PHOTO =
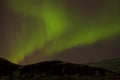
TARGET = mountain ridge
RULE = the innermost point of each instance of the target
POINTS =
(50, 69)
(110, 64)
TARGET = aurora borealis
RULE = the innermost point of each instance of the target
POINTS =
(53, 26)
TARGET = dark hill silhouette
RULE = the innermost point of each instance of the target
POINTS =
(110, 64)
(60, 68)
(7, 67)
(6, 62)
(49, 68)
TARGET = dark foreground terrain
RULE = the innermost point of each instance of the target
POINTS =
(54, 70)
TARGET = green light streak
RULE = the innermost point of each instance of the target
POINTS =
(55, 19)
(60, 30)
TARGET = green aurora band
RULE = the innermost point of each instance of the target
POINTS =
(62, 27)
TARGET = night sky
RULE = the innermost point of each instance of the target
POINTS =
(76, 31)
